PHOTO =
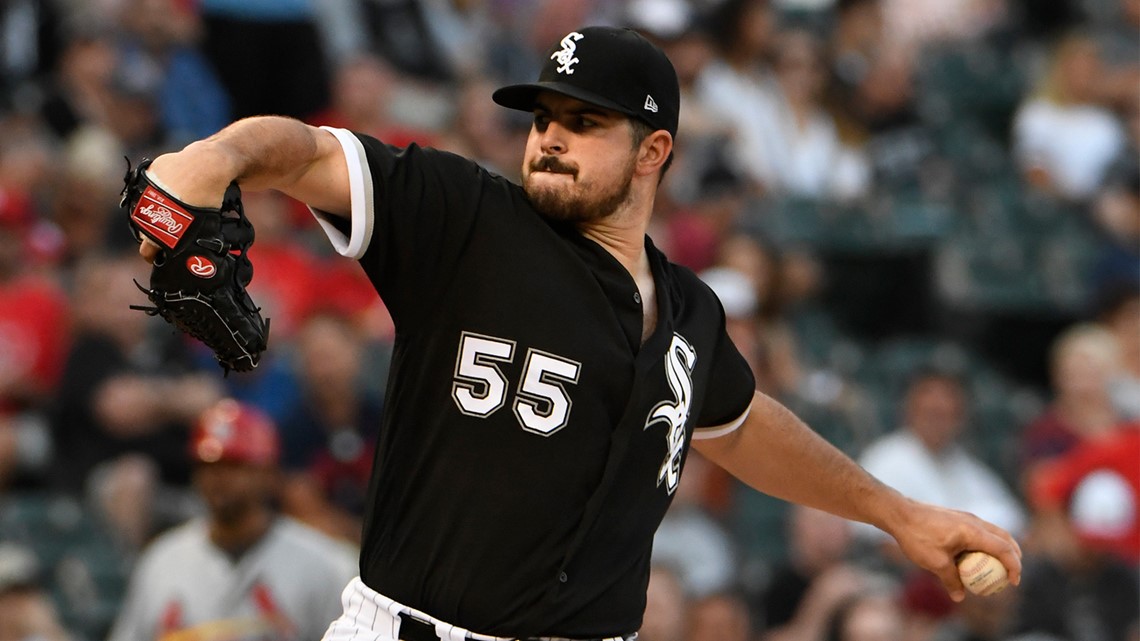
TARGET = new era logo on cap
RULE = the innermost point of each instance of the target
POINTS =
(613, 68)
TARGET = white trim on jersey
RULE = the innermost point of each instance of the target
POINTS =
(716, 431)
(360, 184)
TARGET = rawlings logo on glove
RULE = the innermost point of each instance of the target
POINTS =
(199, 278)
(201, 267)
(153, 213)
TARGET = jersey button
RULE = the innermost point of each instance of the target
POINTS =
(637, 297)
(562, 578)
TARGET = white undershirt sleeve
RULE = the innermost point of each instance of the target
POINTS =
(363, 203)
(715, 431)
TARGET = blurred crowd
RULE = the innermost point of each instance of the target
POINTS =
(922, 218)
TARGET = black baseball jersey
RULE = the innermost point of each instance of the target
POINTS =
(530, 443)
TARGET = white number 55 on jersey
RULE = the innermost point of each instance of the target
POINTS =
(541, 403)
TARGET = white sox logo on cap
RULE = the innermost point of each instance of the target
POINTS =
(565, 55)
(612, 68)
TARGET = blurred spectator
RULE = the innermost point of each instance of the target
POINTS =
(737, 296)
(122, 393)
(33, 316)
(241, 571)
(1118, 34)
(26, 162)
(928, 608)
(870, 616)
(798, 150)
(721, 616)
(1119, 313)
(348, 291)
(78, 92)
(666, 607)
(158, 49)
(133, 114)
(776, 363)
(26, 609)
(481, 131)
(1118, 22)
(399, 31)
(916, 24)
(824, 605)
(1082, 361)
(459, 29)
(784, 286)
(815, 577)
(268, 55)
(1117, 213)
(925, 459)
(363, 89)
(522, 31)
(1064, 139)
(708, 199)
(989, 618)
(286, 283)
(33, 309)
(674, 26)
(690, 541)
(83, 204)
(328, 443)
(857, 40)
(739, 80)
(1098, 483)
(1040, 20)
(872, 96)
(31, 35)
(1071, 587)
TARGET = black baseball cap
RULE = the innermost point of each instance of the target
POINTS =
(613, 68)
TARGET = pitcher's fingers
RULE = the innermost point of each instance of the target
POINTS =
(947, 573)
(1002, 546)
(1006, 535)
(148, 250)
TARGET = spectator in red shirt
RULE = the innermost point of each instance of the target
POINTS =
(1082, 363)
(285, 280)
(1082, 572)
(1098, 485)
(33, 318)
(33, 330)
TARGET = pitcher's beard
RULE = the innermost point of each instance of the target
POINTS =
(580, 205)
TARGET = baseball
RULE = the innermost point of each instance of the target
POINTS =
(982, 574)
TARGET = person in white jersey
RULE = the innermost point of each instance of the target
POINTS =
(242, 572)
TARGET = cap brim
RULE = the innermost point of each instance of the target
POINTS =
(522, 97)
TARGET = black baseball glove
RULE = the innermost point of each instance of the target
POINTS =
(199, 277)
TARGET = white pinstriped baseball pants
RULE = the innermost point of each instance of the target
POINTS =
(371, 616)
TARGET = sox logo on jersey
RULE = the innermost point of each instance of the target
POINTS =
(679, 361)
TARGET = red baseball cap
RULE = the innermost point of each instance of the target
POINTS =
(235, 432)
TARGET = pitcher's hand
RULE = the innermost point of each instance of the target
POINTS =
(933, 537)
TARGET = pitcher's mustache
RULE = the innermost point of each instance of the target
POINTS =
(553, 164)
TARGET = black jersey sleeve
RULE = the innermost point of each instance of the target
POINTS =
(413, 210)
